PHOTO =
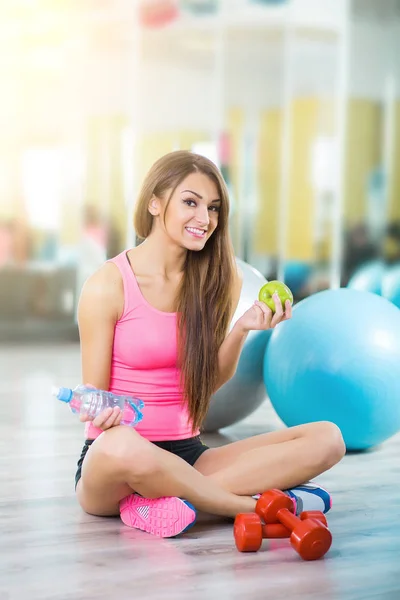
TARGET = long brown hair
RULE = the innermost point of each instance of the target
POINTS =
(204, 302)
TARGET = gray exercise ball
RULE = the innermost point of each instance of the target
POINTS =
(245, 392)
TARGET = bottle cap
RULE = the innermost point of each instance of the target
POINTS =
(62, 393)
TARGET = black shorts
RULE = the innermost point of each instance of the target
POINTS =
(190, 450)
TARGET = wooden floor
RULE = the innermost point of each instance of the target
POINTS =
(50, 549)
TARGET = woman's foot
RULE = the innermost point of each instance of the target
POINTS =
(163, 517)
(308, 497)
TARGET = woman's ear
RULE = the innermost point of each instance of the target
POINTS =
(154, 206)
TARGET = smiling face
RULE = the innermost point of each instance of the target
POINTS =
(190, 217)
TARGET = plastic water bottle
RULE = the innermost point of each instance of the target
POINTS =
(91, 401)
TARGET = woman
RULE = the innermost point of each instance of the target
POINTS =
(153, 323)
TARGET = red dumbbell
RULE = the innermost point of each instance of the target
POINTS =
(309, 537)
(318, 515)
(277, 530)
(249, 531)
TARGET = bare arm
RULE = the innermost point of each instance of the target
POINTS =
(258, 317)
(100, 306)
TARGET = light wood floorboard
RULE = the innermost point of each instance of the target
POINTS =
(50, 549)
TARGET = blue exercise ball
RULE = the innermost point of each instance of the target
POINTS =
(391, 285)
(338, 360)
(368, 277)
(296, 274)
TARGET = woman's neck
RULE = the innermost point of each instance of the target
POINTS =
(161, 257)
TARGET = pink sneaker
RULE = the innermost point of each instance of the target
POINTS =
(163, 517)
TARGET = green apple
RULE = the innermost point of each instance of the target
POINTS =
(269, 289)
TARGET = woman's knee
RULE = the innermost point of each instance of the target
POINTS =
(126, 454)
(329, 444)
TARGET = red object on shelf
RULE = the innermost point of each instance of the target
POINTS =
(157, 13)
(224, 148)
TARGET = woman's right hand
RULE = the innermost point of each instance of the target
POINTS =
(109, 417)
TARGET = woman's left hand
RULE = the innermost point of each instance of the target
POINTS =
(260, 316)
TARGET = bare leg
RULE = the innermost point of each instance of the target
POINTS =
(281, 459)
(121, 461)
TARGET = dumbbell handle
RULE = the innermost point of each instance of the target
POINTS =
(277, 530)
(288, 519)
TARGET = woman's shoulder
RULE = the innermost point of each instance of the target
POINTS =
(104, 286)
(105, 276)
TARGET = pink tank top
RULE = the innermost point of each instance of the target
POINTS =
(144, 364)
